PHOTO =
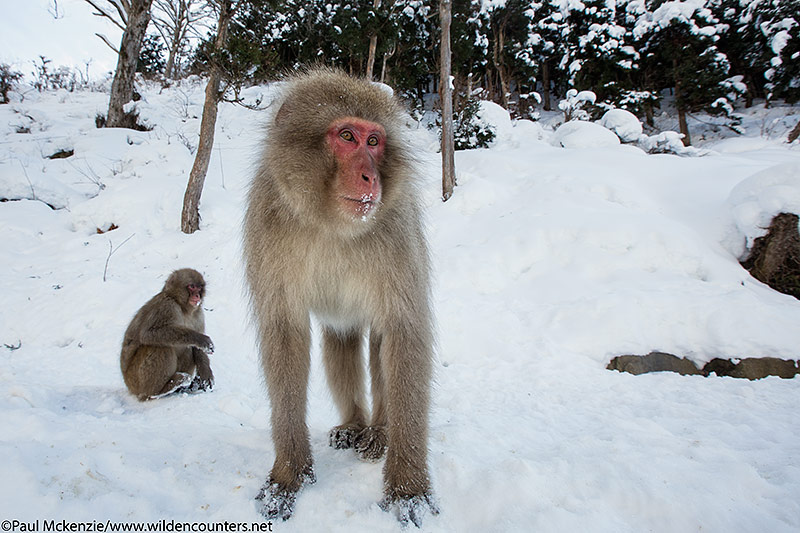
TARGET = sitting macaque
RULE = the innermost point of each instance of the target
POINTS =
(165, 349)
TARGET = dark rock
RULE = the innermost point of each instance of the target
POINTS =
(720, 367)
(775, 257)
(652, 362)
(757, 368)
(62, 154)
(749, 368)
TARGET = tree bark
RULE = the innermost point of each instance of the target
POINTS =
(176, 39)
(546, 84)
(190, 215)
(446, 95)
(122, 86)
(373, 46)
(684, 126)
(499, 63)
(386, 56)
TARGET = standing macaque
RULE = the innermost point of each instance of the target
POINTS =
(165, 350)
(333, 228)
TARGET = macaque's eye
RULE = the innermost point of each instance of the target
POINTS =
(347, 135)
(373, 140)
(193, 287)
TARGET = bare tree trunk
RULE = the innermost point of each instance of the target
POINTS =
(499, 65)
(446, 94)
(174, 20)
(546, 84)
(122, 86)
(386, 56)
(648, 114)
(190, 216)
(684, 126)
(176, 40)
(373, 45)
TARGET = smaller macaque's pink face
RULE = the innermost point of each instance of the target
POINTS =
(195, 294)
(357, 145)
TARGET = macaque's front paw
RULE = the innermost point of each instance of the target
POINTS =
(410, 508)
(206, 345)
(277, 501)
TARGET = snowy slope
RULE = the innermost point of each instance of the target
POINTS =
(548, 262)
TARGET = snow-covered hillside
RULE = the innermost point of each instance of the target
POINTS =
(548, 262)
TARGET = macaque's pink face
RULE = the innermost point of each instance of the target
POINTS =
(357, 145)
(195, 294)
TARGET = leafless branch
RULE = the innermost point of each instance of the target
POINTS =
(122, 8)
(55, 11)
(111, 251)
(105, 40)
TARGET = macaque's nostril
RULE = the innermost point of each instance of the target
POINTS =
(365, 177)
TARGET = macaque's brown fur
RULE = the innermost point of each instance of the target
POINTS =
(305, 254)
(165, 342)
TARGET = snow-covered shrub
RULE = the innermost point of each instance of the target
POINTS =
(638, 102)
(575, 105)
(469, 129)
(668, 142)
(8, 81)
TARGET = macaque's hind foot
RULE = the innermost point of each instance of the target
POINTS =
(371, 443)
(410, 509)
(343, 437)
(177, 383)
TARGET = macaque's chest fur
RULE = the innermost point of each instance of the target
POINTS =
(337, 283)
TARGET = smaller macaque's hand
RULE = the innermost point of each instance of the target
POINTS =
(206, 346)
(200, 384)
(204, 374)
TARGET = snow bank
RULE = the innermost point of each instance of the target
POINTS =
(498, 118)
(547, 261)
(623, 123)
(580, 134)
(756, 200)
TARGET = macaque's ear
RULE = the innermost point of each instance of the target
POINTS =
(283, 113)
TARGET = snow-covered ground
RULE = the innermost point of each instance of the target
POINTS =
(548, 262)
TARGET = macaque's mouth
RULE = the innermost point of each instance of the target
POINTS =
(362, 205)
(363, 200)
(194, 300)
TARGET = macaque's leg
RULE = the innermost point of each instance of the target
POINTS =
(204, 377)
(371, 443)
(406, 362)
(285, 357)
(344, 368)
